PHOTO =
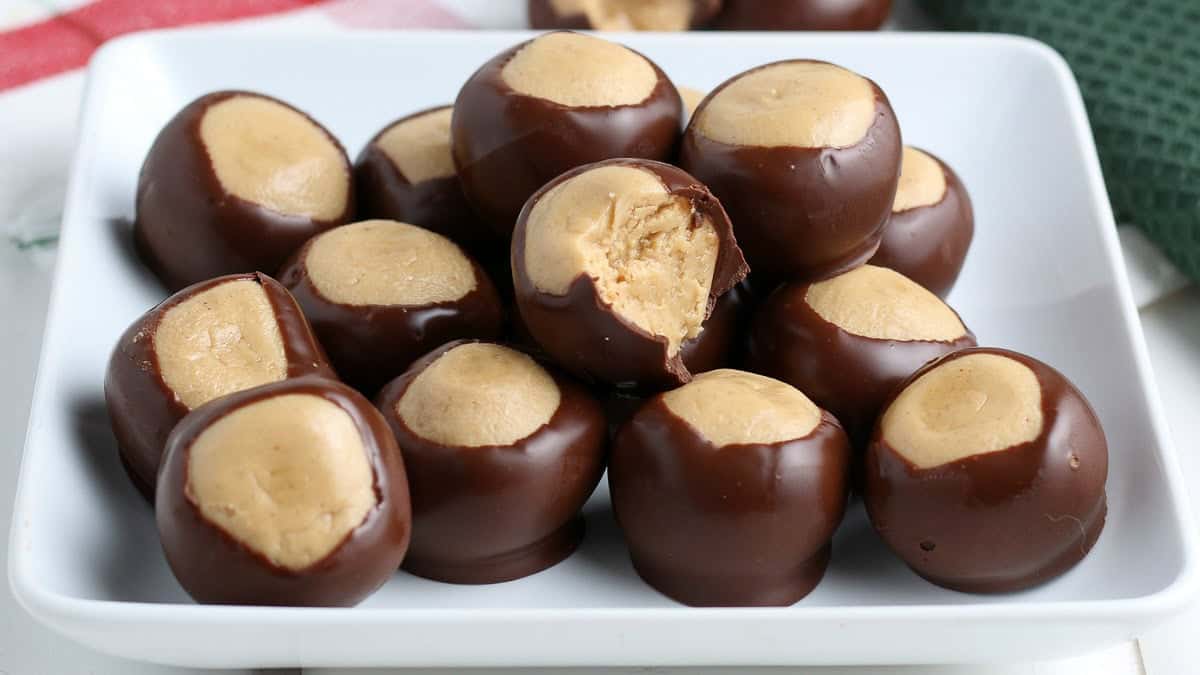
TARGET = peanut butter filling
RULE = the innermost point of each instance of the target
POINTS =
(219, 341)
(651, 256)
(420, 146)
(629, 15)
(730, 407)
(577, 70)
(805, 104)
(286, 476)
(272, 155)
(880, 303)
(384, 262)
(479, 394)
(922, 181)
(972, 405)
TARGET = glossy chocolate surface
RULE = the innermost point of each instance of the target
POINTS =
(737, 525)
(583, 334)
(508, 145)
(847, 374)
(371, 344)
(928, 244)
(542, 16)
(719, 344)
(488, 514)
(802, 213)
(436, 204)
(803, 14)
(215, 568)
(1000, 521)
(188, 228)
(143, 409)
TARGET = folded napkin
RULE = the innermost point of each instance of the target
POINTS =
(1138, 64)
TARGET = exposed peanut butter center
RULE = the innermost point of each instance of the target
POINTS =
(269, 154)
(922, 181)
(975, 404)
(691, 99)
(651, 256)
(286, 476)
(805, 104)
(479, 394)
(420, 146)
(880, 303)
(665, 15)
(383, 262)
(578, 70)
(731, 406)
(219, 341)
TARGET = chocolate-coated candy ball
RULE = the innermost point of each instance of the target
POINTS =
(501, 454)
(622, 15)
(292, 493)
(805, 157)
(549, 105)
(380, 294)
(236, 182)
(931, 226)
(206, 341)
(406, 173)
(803, 14)
(728, 490)
(849, 341)
(986, 472)
(616, 267)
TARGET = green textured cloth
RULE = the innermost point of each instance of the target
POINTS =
(1138, 64)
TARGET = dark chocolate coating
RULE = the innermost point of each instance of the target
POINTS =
(928, 244)
(803, 14)
(542, 16)
(436, 204)
(507, 145)
(188, 228)
(1000, 521)
(488, 514)
(371, 344)
(143, 409)
(847, 374)
(215, 568)
(802, 213)
(718, 342)
(619, 406)
(736, 525)
(583, 334)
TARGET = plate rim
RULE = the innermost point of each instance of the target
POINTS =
(58, 610)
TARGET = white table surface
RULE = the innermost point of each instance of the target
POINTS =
(33, 166)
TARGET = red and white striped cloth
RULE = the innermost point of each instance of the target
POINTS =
(37, 41)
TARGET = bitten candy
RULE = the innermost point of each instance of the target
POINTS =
(616, 267)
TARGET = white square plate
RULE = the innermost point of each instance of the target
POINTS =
(1044, 277)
